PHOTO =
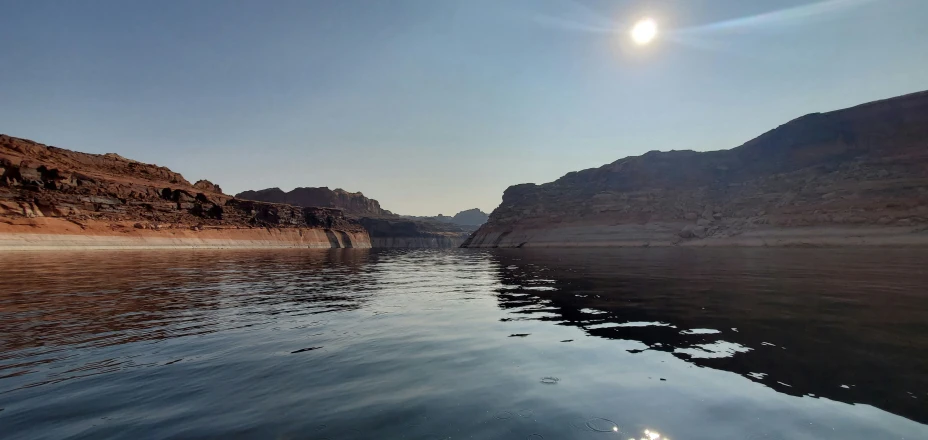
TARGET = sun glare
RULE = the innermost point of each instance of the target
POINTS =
(644, 31)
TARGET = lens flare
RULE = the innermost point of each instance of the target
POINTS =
(644, 31)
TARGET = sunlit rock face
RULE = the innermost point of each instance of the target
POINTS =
(61, 198)
(853, 176)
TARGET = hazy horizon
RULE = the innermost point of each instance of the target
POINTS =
(436, 107)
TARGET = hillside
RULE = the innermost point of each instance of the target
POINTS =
(53, 197)
(853, 176)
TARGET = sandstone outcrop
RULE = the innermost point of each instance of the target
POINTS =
(206, 185)
(48, 192)
(853, 176)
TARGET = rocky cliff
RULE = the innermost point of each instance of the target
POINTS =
(853, 176)
(470, 217)
(385, 228)
(52, 197)
(353, 204)
(404, 233)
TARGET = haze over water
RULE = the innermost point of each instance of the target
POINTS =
(481, 344)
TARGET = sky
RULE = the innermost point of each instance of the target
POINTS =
(436, 106)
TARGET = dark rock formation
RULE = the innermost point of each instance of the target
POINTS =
(470, 217)
(353, 204)
(404, 233)
(467, 221)
(853, 176)
(386, 229)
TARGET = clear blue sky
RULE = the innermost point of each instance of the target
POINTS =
(435, 106)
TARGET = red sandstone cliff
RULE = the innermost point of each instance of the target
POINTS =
(853, 176)
(52, 197)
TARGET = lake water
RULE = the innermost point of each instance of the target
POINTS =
(465, 344)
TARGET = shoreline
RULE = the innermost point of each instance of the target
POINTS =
(666, 236)
(58, 242)
(77, 243)
(56, 234)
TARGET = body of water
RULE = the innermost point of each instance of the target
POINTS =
(465, 344)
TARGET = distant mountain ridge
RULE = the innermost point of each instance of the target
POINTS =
(386, 228)
(471, 217)
(351, 203)
(853, 176)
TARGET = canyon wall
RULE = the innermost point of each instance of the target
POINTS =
(353, 204)
(467, 220)
(857, 176)
(403, 233)
(56, 198)
(386, 230)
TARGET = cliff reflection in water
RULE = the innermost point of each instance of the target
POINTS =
(843, 324)
(52, 305)
(465, 343)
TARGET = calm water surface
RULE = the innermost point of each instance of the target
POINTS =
(465, 344)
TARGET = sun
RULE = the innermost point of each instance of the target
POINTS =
(644, 31)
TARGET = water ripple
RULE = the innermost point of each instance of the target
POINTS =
(416, 344)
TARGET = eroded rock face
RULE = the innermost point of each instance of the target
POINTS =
(38, 181)
(402, 233)
(832, 178)
(387, 230)
(353, 204)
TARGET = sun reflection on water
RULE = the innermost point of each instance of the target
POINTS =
(651, 435)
